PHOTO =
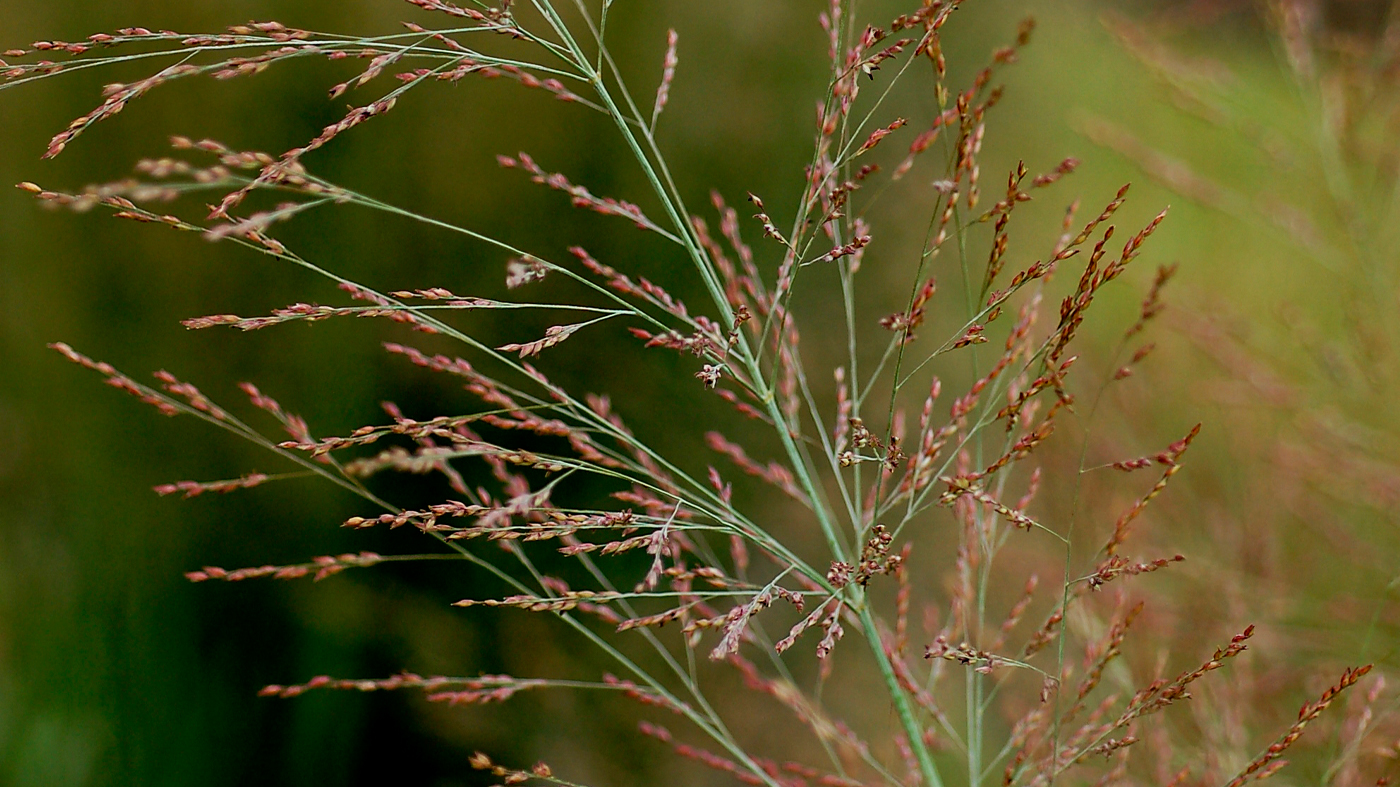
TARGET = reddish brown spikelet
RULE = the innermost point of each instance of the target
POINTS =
(831, 632)
(1132, 248)
(118, 380)
(981, 661)
(871, 64)
(553, 335)
(716, 762)
(844, 250)
(310, 312)
(1017, 611)
(773, 472)
(295, 425)
(643, 289)
(1169, 457)
(1089, 228)
(769, 229)
(1152, 305)
(1116, 566)
(581, 197)
(256, 224)
(117, 97)
(487, 688)
(450, 9)
(801, 626)
(1159, 694)
(668, 74)
(973, 335)
(922, 143)
(1066, 167)
(879, 134)
(524, 270)
(905, 323)
(1047, 632)
(569, 600)
(652, 621)
(197, 323)
(808, 712)
(1108, 650)
(654, 731)
(194, 488)
(645, 696)
(319, 568)
(288, 165)
(1260, 767)
(736, 625)
(696, 344)
(963, 486)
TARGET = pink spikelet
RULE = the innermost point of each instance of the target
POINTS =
(668, 74)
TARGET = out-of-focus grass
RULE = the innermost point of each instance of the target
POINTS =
(114, 670)
(1282, 339)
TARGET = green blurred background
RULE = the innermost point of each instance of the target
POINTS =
(115, 670)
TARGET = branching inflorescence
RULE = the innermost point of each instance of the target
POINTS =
(852, 466)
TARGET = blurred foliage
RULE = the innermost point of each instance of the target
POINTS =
(115, 670)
